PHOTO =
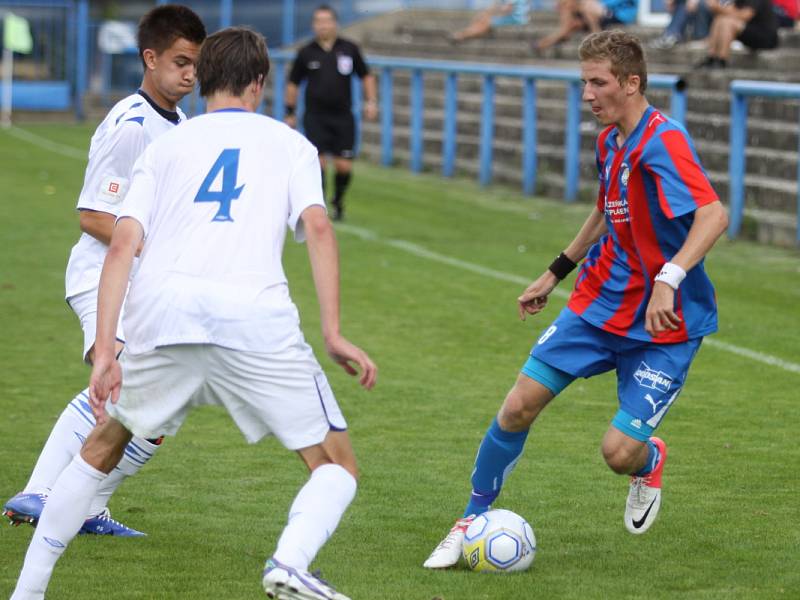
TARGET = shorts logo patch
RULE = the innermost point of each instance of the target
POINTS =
(344, 64)
(653, 403)
(636, 423)
(654, 380)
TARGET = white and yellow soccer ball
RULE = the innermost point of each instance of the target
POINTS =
(500, 541)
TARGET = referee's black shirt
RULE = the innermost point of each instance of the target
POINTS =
(328, 74)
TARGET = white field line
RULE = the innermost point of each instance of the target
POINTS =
(46, 144)
(416, 250)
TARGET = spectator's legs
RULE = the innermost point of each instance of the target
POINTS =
(479, 27)
(680, 19)
(591, 11)
(568, 23)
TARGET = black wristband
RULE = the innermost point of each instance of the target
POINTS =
(562, 266)
(289, 110)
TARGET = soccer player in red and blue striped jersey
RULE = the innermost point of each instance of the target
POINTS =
(642, 301)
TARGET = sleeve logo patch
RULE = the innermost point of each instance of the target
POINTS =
(113, 188)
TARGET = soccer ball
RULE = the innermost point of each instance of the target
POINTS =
(499, 540)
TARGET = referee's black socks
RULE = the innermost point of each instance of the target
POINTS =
(341, 182)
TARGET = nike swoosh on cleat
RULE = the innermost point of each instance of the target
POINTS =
(640, 522)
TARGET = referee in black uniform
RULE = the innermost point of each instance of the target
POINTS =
(328, 63)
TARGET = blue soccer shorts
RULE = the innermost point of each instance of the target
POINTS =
(649, 376)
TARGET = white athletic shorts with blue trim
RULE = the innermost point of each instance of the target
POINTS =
(85, 306)
(284, 394)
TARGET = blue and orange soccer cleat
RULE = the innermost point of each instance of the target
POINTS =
(644, 496)
(24, 508)
(103, 524)
(283, 582)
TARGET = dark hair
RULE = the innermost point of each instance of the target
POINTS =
(621, 49)
(161, 26)
(232, 59)
(327, 8)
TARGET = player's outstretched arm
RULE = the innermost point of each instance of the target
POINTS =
(534, 298)
(106, 378)
(324, 256)
(710, 222)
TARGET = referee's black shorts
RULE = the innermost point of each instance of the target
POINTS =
(331, 133)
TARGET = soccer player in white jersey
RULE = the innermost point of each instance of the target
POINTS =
(209, 318)
(169, 39)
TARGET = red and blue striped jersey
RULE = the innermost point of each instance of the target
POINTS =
(649, 189)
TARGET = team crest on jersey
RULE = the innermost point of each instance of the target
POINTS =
(345, 64)
(652, 379)
(625, 174)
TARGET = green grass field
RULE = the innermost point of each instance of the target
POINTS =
(430, 269)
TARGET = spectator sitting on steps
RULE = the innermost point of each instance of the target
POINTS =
(752, 22)
(587, 15)
(687, 15)
(501, 14)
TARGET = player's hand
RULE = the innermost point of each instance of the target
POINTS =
(534, 298)
(105, 381)
(291, 121)
(346, 353)
(371, 111)
(660, 315)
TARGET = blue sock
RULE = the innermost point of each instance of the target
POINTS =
(652, 460)
(497, 456)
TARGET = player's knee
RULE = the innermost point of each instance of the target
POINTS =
(618, 458)
(517, 413)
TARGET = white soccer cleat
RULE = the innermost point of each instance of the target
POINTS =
(447, 553)
(644, 496)
(283, 582)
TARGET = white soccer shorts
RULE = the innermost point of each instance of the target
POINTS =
(284, 394)
(85, 306)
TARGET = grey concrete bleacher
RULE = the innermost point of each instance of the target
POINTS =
(772, 156)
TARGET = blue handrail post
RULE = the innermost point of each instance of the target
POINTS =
(416, 120)
(736, 162)
(449, 127)
(356, 95)
(386, 117)
(572, 144)
(487, 130)
(82, 55)
(677, 103)
(288, 23)
(529, 141)
(225, 13)
(278, 85)
(347, 13)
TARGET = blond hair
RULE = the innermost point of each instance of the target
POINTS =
(623, 50)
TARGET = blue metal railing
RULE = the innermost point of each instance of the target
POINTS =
(529, 75)
(741, 91)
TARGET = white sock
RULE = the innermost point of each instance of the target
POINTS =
(137, 453)
(314, 515)
(65, 441)
(61, 520)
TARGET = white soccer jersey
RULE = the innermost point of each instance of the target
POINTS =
(116, 144)
(214, 197)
